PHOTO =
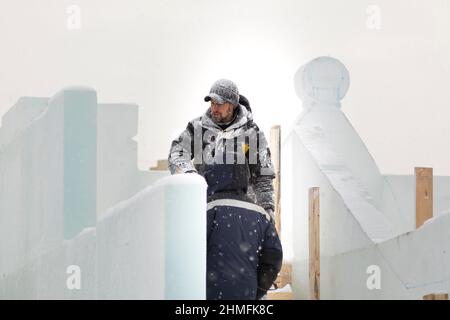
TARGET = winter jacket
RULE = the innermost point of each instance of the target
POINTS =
(244, 253)
(231, 160)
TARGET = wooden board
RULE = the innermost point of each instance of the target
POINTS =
(275, 150)
(424, 195)
(161, 165)
(280, 295)
(284, 276)
(314, 244)
(436, 296)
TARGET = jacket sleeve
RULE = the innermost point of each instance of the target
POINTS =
(181, 152)
(270, 261)
(262, 174)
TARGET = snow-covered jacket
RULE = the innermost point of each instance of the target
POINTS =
(231, 160)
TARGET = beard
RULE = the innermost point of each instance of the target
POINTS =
(221, 119)
(218, 118)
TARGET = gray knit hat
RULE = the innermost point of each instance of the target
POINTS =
(222, 91)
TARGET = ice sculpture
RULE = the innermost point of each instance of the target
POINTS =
(71, 195)
(364, 216)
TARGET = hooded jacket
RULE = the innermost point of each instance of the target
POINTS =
(244, 251)
(231, 160)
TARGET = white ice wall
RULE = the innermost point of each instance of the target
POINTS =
(117, 172)
(403, 188)
(153, 246)
(411, 266)
(339, 230)
(63, 162)
(45, 276)
(31, 177)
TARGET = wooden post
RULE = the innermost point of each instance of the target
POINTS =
(275, 150)
(424, 195)
(284, 276)
(314, 243)
(436, 296)
(161, 165)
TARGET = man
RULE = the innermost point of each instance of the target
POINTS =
(227, 148)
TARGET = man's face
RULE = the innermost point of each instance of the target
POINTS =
(221, 112)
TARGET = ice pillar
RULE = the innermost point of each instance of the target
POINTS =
(185, 237)
(79, 116)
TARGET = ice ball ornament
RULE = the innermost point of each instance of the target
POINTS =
(322, 80)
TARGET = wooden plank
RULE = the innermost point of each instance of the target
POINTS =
(280, 295)
(436, 296)
(314, 244)
(424, 195)
(275, 150)
(161, 165)
(284, 276)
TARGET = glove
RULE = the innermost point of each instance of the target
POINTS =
(261, 294)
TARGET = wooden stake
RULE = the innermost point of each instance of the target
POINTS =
(275, 150)
(280, 295)
(284, 276)
(314, 243)
(436, 296)
(424, 195)
(161, 165)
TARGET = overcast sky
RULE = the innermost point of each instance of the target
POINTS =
(165, 54)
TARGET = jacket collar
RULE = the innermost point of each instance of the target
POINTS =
(243, 116)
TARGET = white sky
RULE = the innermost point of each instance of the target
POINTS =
(165, 54)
